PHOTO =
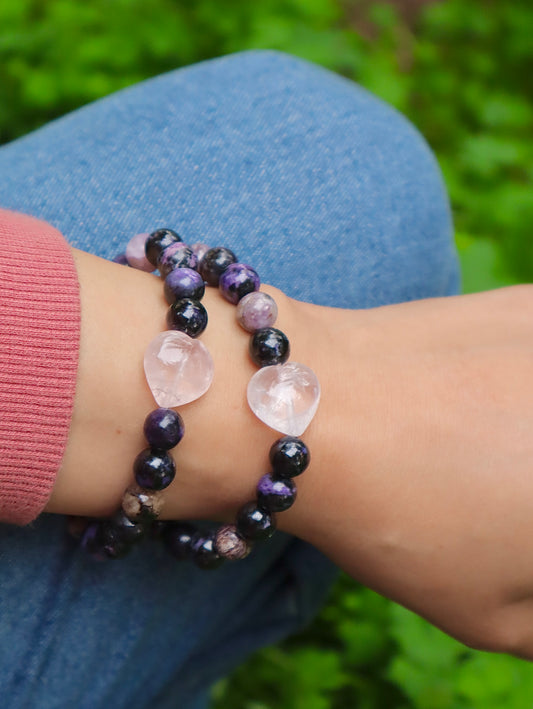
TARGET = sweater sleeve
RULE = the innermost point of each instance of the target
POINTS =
(39, 345)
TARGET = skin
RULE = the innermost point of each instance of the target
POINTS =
(420, 483)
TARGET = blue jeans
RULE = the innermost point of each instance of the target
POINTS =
(333, 197)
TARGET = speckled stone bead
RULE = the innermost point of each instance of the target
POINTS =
(237, 281)
(157, 241)
(178, 537)
(184, 283)
(204, 553)
(136, 255)
(289, 457)
(142, 505)
(101, 545)
(256, 311)
(154, 469)
(163, 428)
(254, 523)
(269, 346)
(229, 543)
(214, 263)
(200, 250)
(176, 256)
(275, 495)
(188, 316)
(125, 529)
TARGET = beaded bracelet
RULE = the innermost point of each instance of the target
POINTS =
(284, 395)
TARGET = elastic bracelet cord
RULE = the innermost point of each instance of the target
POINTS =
(282, 394)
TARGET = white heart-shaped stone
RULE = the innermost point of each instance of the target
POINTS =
(178, 368)
(285, 397)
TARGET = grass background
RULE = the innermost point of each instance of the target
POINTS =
(462, 70)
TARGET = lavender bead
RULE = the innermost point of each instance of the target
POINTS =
(135, 253)
(275, 495)
(121, 259)
(157, 241)
(163, 428)
(229, 544)
(184, 283)
(199, 250)
(237, 281)
(176, 255)
(256, 311)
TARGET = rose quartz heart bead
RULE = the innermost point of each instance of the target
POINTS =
(285, 397)
(178, 369)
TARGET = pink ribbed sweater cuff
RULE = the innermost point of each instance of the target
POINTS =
(39, 344)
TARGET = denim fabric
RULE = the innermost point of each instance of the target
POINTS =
(335, 198)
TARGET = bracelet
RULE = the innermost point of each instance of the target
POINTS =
(179, 369)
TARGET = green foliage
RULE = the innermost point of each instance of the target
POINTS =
(463, 73)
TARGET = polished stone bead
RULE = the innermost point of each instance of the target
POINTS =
(184, 283)
(204, 553)
(188, 316)
(229, 543)
(214, 263)
(256, 311)
(200, 251)
(142, 505)
(178, 369)
(254, 523)
(269, 346)
(289, 457)
(157, 241)
(154, 469)
(122, 528)
(237, 281)
(100, 545)
(177, 538)
(163, 428)
(285, 397)
(176, 256)
(121, 259)
(136, 255)
(275, 495)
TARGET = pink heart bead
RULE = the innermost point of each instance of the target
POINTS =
(178, 368)
(285, 397)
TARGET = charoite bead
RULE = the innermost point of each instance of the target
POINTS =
(178, 538)
(184, 283)
(237, 281)
(188, 316)
(176, 256)
(136, 255)
(289, 457)
(123, 528)
(275, 495)
(178, 369)
(200, 250)
(269, 346)
(157, 241)
(163, 428)
(285, 397)
(254, 523)
(229, 543)
(204, 553)
(154, 469)
(214, 263)
(256, 311)
(142, 505)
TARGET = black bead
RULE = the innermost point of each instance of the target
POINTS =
(100, 544)
(204, 553)
(214, 263)
(254, 523)
(275, 495)
(269, 346)
(182, 257)
(178, 537)
(289, 457)
(188, 316)
(157, 241)
(163, 428)
(154, 469)
(120, 527)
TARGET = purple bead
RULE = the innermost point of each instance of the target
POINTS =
(256, 311)
(184, 283)
(214, 263)
(178, 538)
(102, 545)
(121, 259)
(275, 495)
(121, 528)
(163, 428)
(289, 457)
(254, 523)
(188, 316)
(157, 241)
(204, 553)
(237, 281)
(269, 346)
(199, 250)
(176, 256)
(154, 469)
(136, 255)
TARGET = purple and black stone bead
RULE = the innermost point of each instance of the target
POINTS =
(163, 428)
(289, 457)
(275, 495)
(176, 255)
(214, 262)
(184, 283)
(255, 523)
(269, 346)
(188, 316)
(154, 469)
(157, 241)
(237, 281)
